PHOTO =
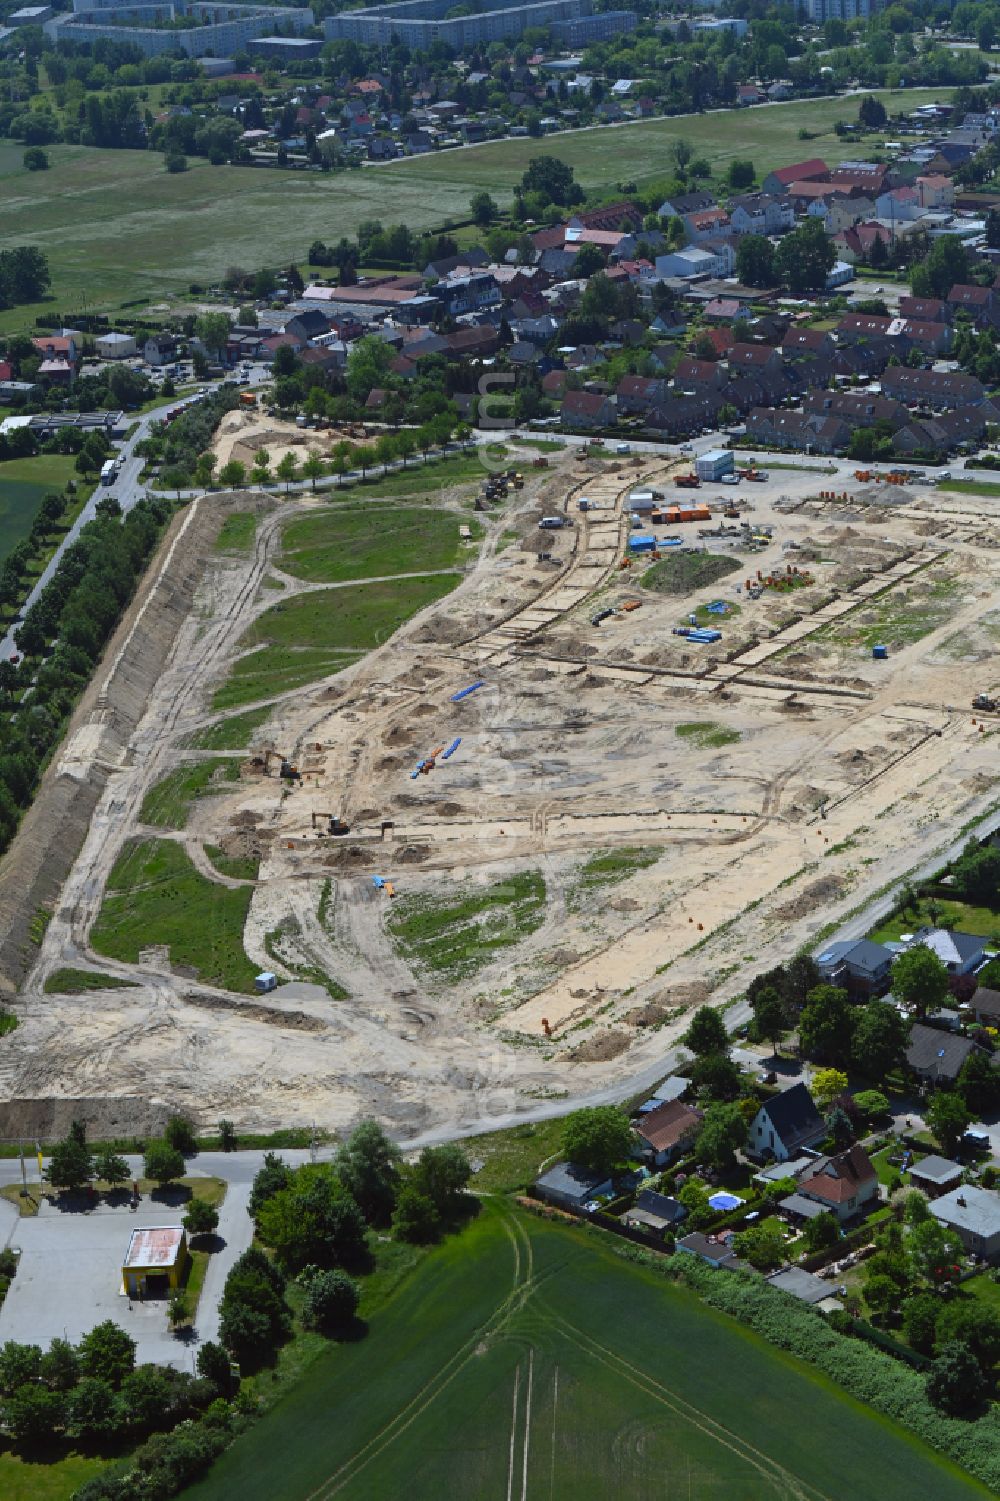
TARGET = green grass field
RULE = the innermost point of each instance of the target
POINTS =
(606, 867)
(961, 916)
(168, 803)
(456, 937)
(315, 635)
(155, 897)
(683, 572)
(350, 543)
(24, 483)
(107, 220)
(524, 1359)
(234, 733)
(79, 981)
(237, 532)
(706, 734)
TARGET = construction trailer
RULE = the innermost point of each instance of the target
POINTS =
(714, 464)
(642, 542)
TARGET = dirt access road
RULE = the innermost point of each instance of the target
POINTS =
(769, 783)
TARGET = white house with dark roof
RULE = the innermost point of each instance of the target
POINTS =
(784, 1125)
(960, 953)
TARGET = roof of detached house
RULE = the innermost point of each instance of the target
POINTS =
(669, 1124)
(839, 1178)
(793, 1113)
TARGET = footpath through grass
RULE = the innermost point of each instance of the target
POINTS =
(312, 636)
(458, 936)
(529, 1359)
(156, 897)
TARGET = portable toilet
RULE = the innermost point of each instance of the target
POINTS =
(265, 981)
(880, 653)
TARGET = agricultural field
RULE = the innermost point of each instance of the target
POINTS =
(24, 483)
(527, 1359)
(105, 218)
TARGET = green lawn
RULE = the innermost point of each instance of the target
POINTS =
(457, 936)
(527, 1359)
(234, 733)
(315, 635)
(168, 803)
(240, 867)
(79, 981)
(959, 915)
(155, 896)
(51, 1480)
(24, 483)
(971, 487)
(418, 478)
(331, 546)
(705, 733)
(107, 220)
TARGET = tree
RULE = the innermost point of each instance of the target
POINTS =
(822, 1232)
(920, 980)
(233, 475)
(881, 1292)
(947, 1115)
(261, 466)
(287, 469)
(971, 1323)
(107, 1353)
(871, 113)
(597, 1138)
(368, 1166)
(253, 1315)
(707, 1032)
(367, 366)
(179, 1134)
(740, 174)
(110, 1168)
(201, 1218)
(977, 874)
(986, 32)
(769, 1017)
(144, 1399)
(315, 1219)
(934, 1251)
(60, 1366)
(826, 1026)
(484, 209)
(175, 161)
(18, 1364)
(331, 1300)
(71, 1165)
(204, 469)
(92, 1410)
(214, 1365)
(415, 1219)
(313, 468)
(872, 1103)
(35, 159)
(879, 1039)
(270, 1179)
(33, 1414)
(213, 330)
(979, 1084)
(920, 1315)
(947, 263)
(443, 1173)
(227, 1136)
(955, 1383)
(804, 257)
(755, 261)
(723, 1133)
(715, 1076)
(827, 1084)
(763, 1246)
(682, 152)
(553, 180)
(163, 1163)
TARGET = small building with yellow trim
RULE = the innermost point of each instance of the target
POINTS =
(155, 1261)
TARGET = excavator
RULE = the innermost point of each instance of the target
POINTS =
(334, 825)
(286, 770)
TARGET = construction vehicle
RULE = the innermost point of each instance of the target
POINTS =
(540, 463)
(286, 770)
(334, 825)
(731, 511)
(757, 476)
(687, 482)
(984, 702)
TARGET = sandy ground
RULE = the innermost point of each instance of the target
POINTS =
(242, 434)
(843, 774)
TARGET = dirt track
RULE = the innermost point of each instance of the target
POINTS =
(570, 748)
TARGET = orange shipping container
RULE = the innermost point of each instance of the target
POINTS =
(676, 514)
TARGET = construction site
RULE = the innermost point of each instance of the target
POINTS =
(631, 746)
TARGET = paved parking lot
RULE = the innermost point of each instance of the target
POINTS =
(69, 1279)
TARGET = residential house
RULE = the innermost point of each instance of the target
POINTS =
(960, 953)
(925, 309)
(933, 388)
(692, 261)
(760, 214)
(985, 1006)
(58, 348)
(975, 1214)
(654, 1211)
(861, 967)
(802, 1285)
(855, 242)
(685, 203)
(683, 415)
(691, 374)
(571, 1187)
(587, 409)
(160, 350)
(307, 324)
(753, 358)
(843, 1184)
(806, 341)
(717, 340)
(750, 93)
(725, 309)
(799, 431)
(707, 224)
(899, 206)
(784, 1125)
(858, 408)
(934, 339)
(935, 1175)
(665, 1132)
(981, 303)
(936, 191)
(638, 393)
(861, 177)
(713, 1249)
(937, 1057)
